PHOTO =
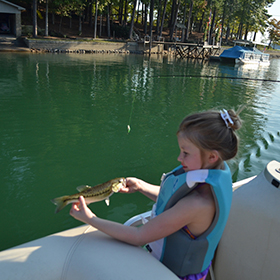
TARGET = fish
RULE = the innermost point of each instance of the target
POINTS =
(91, 194)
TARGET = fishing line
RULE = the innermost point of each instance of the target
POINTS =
(218, 77)
(132, 105)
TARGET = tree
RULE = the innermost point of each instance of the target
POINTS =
(151, 22)
(250, 14)
(145, 17)
(237, 17)
(162, 18)
(174, 15)
(159, 8)
(63, 9)
(132, 19)
(47, 19)
(78, 7)
(108, 19)
(215, 7)
(274, 32)
(34, 18)
(189, 20)
(95, 20)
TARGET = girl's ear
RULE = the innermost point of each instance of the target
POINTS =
(213, 157)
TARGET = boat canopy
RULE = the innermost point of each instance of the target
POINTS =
(239, 51)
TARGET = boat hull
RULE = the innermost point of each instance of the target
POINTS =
(249, 248)
(80, 253)
(252, 61)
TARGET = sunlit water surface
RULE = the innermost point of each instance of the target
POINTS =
(64, 121)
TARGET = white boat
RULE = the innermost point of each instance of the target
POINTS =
(249, 248)
(245, 54)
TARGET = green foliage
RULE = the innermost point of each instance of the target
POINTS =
(120, 31)
(274, 31)
(66, 7)
(239, 16)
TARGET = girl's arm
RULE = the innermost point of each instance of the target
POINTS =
(161, 226)
(134, 184)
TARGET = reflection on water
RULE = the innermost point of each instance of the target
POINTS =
(64, 123)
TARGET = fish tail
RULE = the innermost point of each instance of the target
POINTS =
(60, 202)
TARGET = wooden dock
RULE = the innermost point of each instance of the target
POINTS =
(185, 50)
(190, 50)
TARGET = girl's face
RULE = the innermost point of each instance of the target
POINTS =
(190, 155)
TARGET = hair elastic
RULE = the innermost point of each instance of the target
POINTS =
(226, 117)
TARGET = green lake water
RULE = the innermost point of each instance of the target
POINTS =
(64, 118)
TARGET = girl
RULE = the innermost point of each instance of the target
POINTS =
(192, 203)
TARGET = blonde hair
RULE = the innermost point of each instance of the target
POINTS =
(209, 131)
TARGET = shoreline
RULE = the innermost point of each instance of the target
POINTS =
(61, 45)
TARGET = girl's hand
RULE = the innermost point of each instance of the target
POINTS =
(80, 211)
(132, 185)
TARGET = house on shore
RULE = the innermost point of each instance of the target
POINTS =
(10, 18)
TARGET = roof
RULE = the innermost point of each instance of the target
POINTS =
(236, 51)
(247, 42)
(4, 2)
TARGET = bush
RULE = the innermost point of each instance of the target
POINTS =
(120, 31)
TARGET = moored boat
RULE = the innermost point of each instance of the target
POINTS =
(246, 54)
(249, 248)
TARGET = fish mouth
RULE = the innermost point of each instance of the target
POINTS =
(119, 185)
(123, 183)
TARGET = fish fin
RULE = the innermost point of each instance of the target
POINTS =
(83, 188)
(59, 202)
(107, 201)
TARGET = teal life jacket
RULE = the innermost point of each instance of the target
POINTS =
(178, 251)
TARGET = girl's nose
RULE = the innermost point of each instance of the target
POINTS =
(179, 157)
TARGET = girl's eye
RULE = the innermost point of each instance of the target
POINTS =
(185, 153)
